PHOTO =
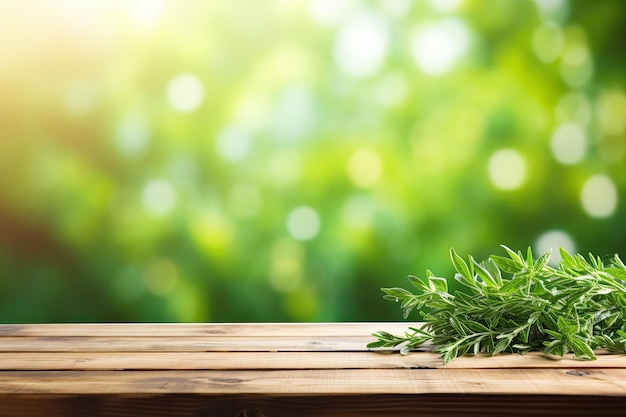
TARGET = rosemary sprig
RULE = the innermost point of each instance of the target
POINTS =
(516, 303)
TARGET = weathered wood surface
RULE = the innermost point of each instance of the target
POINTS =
(217, 360)
(281, 369)
(563, 381)
(264, 330)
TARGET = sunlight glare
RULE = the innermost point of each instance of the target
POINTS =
(436, 48)
(360, 48)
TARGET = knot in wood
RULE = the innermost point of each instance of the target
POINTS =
(578, 372)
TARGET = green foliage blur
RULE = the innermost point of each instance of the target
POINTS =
(276, 160)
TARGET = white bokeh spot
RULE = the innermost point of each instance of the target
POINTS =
(507, 169)
(436, 48)
(361, 45)
(329, 12)
(233, 143)
(599, 196)
(185, 93)
(303, 223)
(146, 14)
(547, 42)
(568, 144)
(133, 134)
(159, 197)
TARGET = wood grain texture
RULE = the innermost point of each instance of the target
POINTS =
(311, 406)
(184, 344)
(282, 369)
(605, 382)
(264, 330)
(288, 360)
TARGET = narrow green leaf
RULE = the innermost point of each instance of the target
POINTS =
(507, 265)
(581, 349)
(493, 270)
(501, 346)
(543, 260)
(477, 327)
(484, 274)
(521, 347)
(460, 266)
(376, 344)
(565, 327)
(456, 325)
(465, 281)
(438, 284)
(529, 257)
(618, 263)
(396, 294)
(553, 333)
(514, 256)
(566, 259)
(417, 283)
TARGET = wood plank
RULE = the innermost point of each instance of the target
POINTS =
(203, 329)
(431, 405)
(604, 359)
(187, 344)
(287, 360)
(211, 360)
(601, 382)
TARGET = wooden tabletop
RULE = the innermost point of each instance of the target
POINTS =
(260, 369)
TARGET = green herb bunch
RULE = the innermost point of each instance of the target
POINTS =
(516, 304)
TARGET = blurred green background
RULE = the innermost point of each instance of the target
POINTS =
(282, 160)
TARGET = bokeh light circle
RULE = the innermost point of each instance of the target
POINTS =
(185, 93)
(507, 169)
(303, 223)
(599, 196)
